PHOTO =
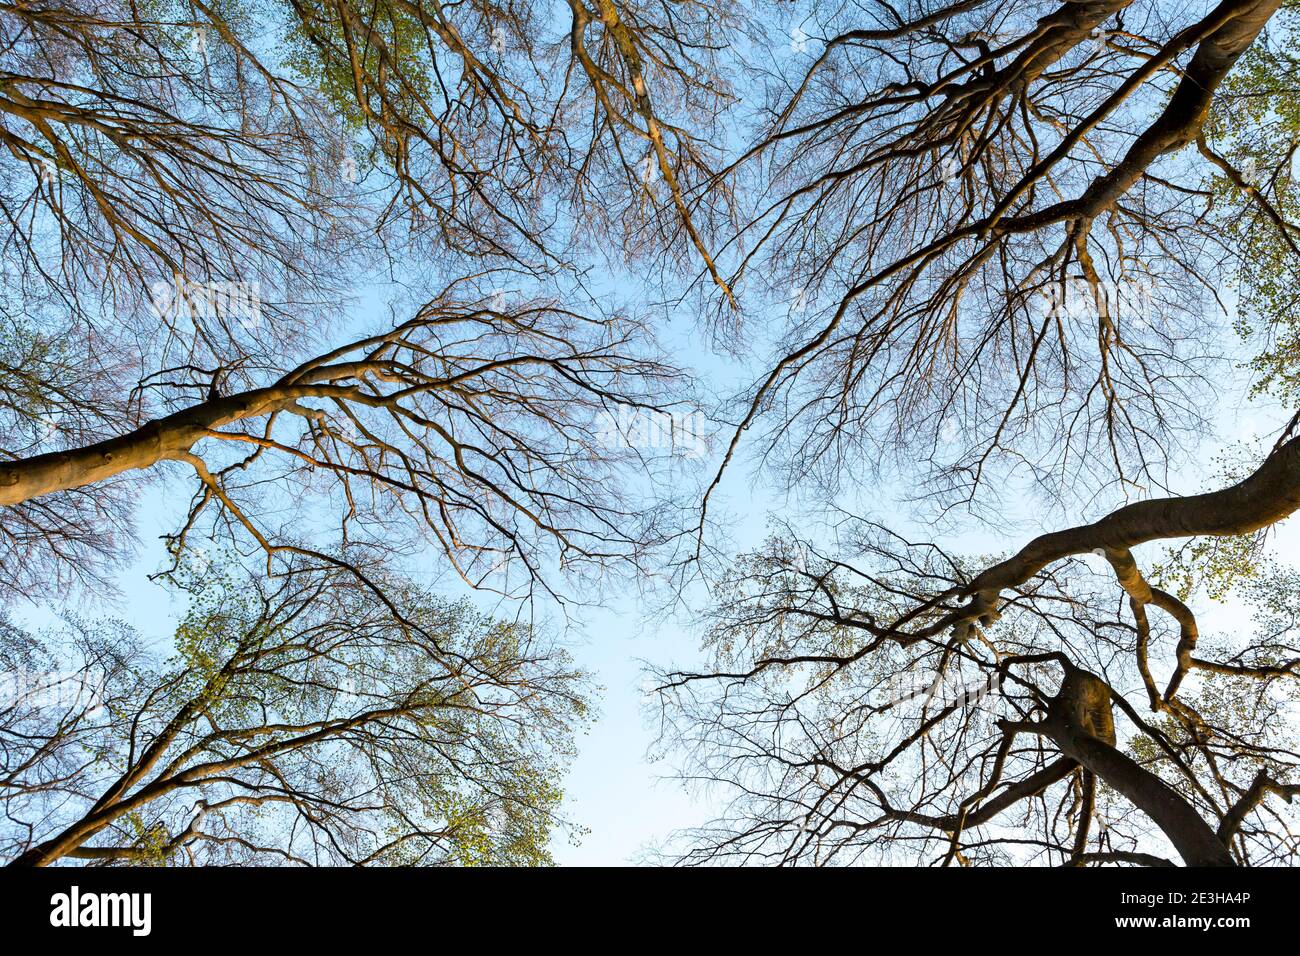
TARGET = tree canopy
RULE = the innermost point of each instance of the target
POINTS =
(379, 301)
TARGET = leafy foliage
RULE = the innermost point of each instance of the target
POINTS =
(1257, 118)
(300, 723)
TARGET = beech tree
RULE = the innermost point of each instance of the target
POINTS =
(217, 205)
(907, 705)
(936, 182)
(981, 215)
(197, 197)
(297, 721)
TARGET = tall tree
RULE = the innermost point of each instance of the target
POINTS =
(196, 199)
(982, 215)
(218, 203)
(1005, 253)
(299, 721)
(906, 704)
(1001, 233)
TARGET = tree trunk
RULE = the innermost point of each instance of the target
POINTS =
(159, 440)
(1080, 723)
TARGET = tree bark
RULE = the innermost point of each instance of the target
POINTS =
(1267, 496)
(159, 440)
(1080, 723)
